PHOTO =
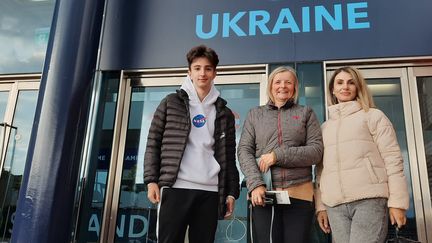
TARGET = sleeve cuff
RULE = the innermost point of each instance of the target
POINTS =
(229, 196)
(278, 154)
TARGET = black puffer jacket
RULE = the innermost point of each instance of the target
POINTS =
(167, 141)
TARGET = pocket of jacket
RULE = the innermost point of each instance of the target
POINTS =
(372, 174)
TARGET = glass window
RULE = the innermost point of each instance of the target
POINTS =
(136, 219)
(387, 96)
(4, 95)
(241, 98)
(93, 191)
(424, 86)
(13, 168)
(311, 85)
(24, 33)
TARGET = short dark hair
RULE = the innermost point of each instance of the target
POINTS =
(202, 51)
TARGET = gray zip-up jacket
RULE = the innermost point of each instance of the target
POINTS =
(292, 132)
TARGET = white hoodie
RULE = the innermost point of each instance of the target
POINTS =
(198, 168)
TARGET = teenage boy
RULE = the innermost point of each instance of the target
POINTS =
(189, 164)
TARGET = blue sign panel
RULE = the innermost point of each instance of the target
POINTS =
(152, 33)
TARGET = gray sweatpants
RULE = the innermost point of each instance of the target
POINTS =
(362, 221)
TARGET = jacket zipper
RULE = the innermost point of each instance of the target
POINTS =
(187, 137)
(279, 128)
(337, 154)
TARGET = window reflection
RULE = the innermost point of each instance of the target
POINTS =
(424, 86)
(92, 193)
(4, 95)
(241, 98)
(18, 140)
(25, 27)
(387, 96)
(311, 85)
(136, 219)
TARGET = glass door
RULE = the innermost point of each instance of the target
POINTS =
(420, 79)
(135, 215)
(94, 189)
(17, 108)
(389, 89)
(111, 202)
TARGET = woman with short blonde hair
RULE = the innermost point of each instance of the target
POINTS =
(281, 139)
(271, 78)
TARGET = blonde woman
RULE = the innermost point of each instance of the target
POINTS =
(285, 138)
(361, 180)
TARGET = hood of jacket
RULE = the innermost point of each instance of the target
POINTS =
(210, 99)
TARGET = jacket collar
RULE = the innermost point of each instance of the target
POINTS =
(343, 109)
(210, 97)
(183, 95)
(219, 103)
(290, 103)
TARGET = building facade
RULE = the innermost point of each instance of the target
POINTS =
(141, 58)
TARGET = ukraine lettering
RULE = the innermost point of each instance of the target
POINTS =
(354, 15)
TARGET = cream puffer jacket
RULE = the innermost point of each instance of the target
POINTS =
(362, 159)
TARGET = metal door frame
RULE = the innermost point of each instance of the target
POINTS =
(14, 87)
(413, 73)
(13, 84)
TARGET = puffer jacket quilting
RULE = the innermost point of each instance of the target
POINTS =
(362, 158)
(301, 144)
(167, 139)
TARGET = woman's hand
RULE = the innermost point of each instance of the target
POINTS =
(397, 216)
(257, 196)
(323, 221)
(266, 161)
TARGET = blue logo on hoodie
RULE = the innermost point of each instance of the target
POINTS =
(199, 120)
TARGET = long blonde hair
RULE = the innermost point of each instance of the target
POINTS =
(282, 69)
(363, 94)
